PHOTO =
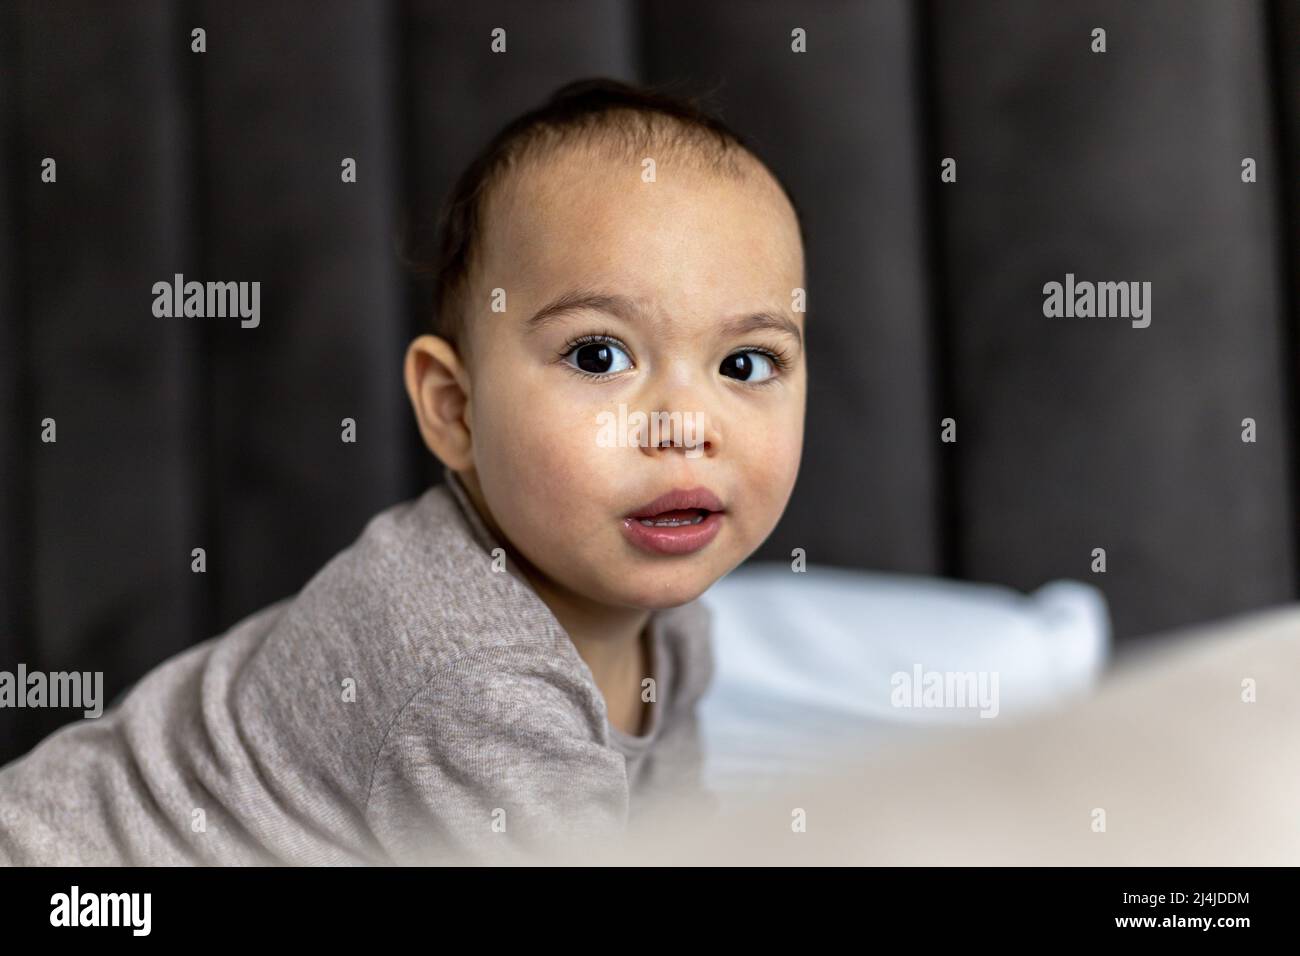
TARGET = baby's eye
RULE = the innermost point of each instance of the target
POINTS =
(748, 366)
(598, 358)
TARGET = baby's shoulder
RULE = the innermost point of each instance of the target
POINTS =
(412, 596)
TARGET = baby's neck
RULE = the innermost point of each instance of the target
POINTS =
(614, 643)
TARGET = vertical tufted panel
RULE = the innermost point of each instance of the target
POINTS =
(284, 94)
(109, 507)
(1083, 433)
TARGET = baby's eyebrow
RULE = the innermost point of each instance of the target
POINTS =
(630, 310)
(764, 322)
(578, 300)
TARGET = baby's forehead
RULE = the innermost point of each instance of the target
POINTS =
(553, 210)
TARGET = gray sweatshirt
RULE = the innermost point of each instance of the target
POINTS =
(409, 705)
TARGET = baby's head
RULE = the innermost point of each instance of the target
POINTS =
(615, 259)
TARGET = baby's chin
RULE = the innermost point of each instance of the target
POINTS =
(674, 596)
(676, 582)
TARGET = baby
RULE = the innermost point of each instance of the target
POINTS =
(509, 664)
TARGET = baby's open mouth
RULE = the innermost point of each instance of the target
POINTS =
(682, 521)
(675, 519)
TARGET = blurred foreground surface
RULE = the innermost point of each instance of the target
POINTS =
(1168, 754)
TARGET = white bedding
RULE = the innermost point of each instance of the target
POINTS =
(806, 660)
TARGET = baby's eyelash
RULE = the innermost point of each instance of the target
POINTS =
(780, 357)
(582, 340)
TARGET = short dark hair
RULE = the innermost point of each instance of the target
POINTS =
(596, 107)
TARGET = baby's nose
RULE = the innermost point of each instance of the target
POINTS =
(688, 433)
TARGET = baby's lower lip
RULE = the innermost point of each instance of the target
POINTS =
(674, 532)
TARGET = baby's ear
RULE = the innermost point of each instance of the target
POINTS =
(434, 382)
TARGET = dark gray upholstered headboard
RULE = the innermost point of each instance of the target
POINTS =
(926, 298)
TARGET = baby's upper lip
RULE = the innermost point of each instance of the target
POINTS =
(679, 499)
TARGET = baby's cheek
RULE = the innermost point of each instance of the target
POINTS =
(770, 469)
(560, 482)
(538, 476)
(772, 456)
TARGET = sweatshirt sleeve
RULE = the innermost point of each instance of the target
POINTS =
(500, 757)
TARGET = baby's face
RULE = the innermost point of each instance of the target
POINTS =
(684, 263)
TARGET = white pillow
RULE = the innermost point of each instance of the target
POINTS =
(804, 661)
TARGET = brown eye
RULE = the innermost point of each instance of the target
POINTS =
(598, 358)
(748, 366)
